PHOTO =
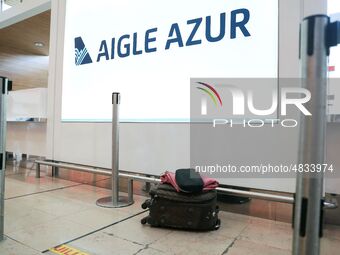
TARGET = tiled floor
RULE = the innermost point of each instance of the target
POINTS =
(43, 213)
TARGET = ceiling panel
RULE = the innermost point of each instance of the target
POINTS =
(20, 59)
(24, 34)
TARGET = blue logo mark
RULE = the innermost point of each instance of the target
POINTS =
(82, 56)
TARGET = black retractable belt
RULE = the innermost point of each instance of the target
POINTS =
(333, 34)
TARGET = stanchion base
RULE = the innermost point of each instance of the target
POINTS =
(107, 202)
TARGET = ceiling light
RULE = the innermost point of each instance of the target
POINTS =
(39, 44)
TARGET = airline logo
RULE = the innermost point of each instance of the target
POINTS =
(179, 35)
(82, 56)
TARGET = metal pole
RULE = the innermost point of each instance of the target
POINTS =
(115, 201)
(115, 148)
(55, 171)
(3, 107)
(136, 177)
(130, 189)
(309, 186)
(37, 170)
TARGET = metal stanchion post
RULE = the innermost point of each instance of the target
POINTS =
(115, 201)
(5, 86)
(315, 43)
(130, 190)
(55, 171)
(37, 170)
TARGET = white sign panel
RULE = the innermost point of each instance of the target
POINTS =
(148, 50)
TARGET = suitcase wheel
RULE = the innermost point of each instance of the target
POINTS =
(146, 204)
(144, 220)
(218, 224)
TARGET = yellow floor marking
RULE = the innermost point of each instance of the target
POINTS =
(67, 250)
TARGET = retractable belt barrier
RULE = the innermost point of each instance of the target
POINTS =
(116, 201)
(6, 86)
(318, 35)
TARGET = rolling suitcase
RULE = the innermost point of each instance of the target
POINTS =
(171, 209)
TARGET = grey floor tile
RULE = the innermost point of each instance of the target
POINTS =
(11, 247)
(329, 246)
(27, 218)
(183, 242)
(103, 244)
(51, 234)
(242, 247)
(97, 218)
(14, 188)
(134, 231)
(56, 206)
(14, 185)
(232, 225)
(269, 233)
(81, 193)
(150, 251)
(332, 232)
